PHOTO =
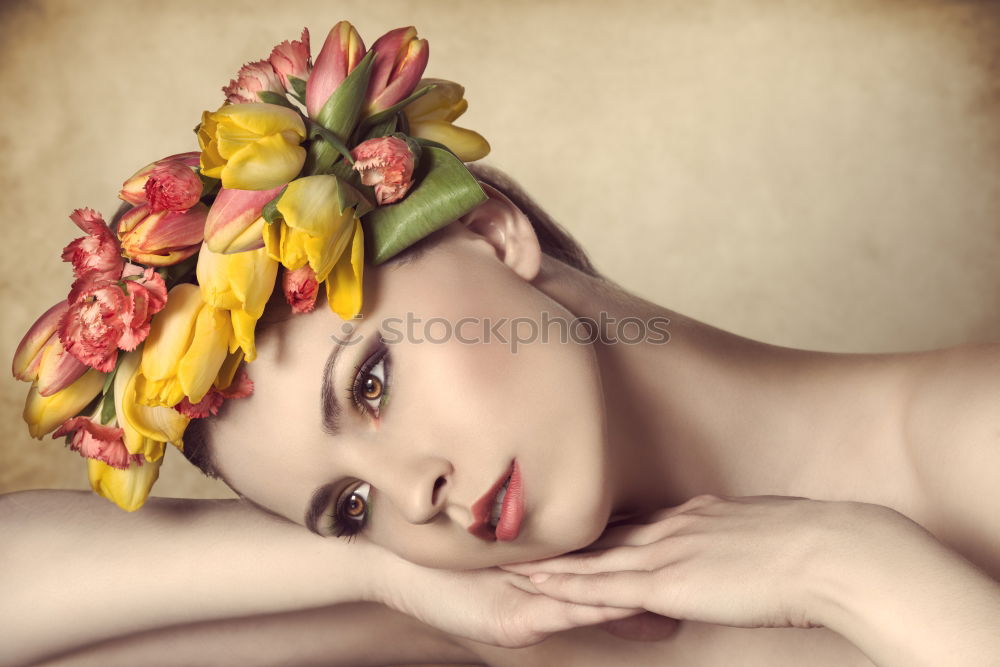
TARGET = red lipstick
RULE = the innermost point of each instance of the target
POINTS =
(513, 508)
(511, 513)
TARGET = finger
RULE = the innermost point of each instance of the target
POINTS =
(550, 615)
(617, 589)
(608, 560)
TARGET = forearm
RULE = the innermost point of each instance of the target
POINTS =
(74, 569)
(921, 604)
(353, 635)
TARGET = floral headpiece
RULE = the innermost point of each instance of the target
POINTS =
(314, 168)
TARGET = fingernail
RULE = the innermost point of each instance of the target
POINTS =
(538, 577)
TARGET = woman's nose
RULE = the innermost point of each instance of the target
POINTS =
(423, 491)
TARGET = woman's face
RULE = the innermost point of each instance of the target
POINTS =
(441, 417)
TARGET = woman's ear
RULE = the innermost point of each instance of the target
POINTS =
(508, 230)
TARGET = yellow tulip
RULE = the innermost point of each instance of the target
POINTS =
(126, 488)
(253, 146)
(431, 117)
(343, 286)
(147, 428)
(44, 414)
(313, 230)
(240, 283)
(187, 344)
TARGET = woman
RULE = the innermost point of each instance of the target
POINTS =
(582, 433)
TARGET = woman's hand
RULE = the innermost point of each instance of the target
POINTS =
(750, 562)
(493, 606)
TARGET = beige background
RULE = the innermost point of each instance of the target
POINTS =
(823, 175)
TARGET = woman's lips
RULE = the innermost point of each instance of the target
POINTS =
(513, 508)
(511, 513)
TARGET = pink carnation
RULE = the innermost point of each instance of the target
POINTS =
(253, 78)
(96, 441)
(300, 288)
(107, 315)
(96, 256)
(387, 164)
(292, 59)
(240, 387)
(172, 186)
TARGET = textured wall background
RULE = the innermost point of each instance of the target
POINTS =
(823, 175)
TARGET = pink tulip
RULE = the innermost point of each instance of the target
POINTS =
(162, 238)
(234, 223)
(400, 59)
(253, 78)
(96, 256)
(240, 387)
(341, 53)
(134, 189)
(41, 358)
(300, 288)
(292, 59)
(105, 317)
(97, 441)
(387, 164)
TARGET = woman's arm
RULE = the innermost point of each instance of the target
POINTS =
(349, 635)
(75, 562)
(865, 571)
(74, 569)
(907, 600)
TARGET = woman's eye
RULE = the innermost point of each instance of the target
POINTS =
(369, 390)
(352, 510)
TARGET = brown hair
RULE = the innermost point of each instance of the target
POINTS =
(553, 239)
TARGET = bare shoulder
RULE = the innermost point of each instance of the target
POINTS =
(953, 440)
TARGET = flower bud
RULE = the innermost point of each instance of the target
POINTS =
(292, 59)
(162, 238)
(253, 78)
(300, 288)
(134, 189)
(341, 53)
(400, 59)
(234, 222)
(431, 117)
(41, 357)
(387, 164)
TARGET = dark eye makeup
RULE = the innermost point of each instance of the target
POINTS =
(350, 512)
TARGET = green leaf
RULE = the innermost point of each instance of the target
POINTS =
(383, 129)
(272, 97)
(341, 111)
(390, 113)
(431, 144)
(299, 86)
(270, 210)
(445, 191)
(348, 196)
(317, 130)
(108, 406)
(339, 115)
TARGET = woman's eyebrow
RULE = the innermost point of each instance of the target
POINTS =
(328, 402)
(317, 506)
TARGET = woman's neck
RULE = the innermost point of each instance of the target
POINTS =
(709, 411)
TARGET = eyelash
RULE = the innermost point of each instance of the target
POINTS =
(350, 527)
(361, 371)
